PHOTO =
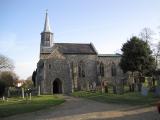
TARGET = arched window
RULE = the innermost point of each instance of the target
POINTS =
(81, 69)
(41, 64)
(101, 69)
(113, 69)
(72, 69)
(49, 66)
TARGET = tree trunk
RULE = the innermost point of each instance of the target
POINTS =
(133, 82)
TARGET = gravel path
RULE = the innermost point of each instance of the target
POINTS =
(82, 109)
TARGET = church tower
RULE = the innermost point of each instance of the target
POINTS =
(46, 39)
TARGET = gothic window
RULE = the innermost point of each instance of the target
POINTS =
(47, 43)
(72, 69)
(49, 66)
(81, 69)
(113, 69)
(101, 68)
(47, 38)
(41, 65)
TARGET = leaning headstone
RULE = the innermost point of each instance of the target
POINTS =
(30, 96)
(102, 89)
(22, 92)
(39, 90)
(3, 98)
(8, 92)
(94, 85)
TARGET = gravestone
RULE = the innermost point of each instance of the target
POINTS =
(157, 92)
(144, 91)
(22, 92)
(39, 90)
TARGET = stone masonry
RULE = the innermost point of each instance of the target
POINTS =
(66, 67)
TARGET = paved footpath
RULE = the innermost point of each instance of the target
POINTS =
(82, 109)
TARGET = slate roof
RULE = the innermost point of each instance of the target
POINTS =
(109, 55)
(74, 48)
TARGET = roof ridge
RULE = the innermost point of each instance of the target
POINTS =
(109, 55)
(76, 48)
(75, 43)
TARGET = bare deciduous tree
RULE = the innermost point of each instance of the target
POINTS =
(6, 64)
(156, 50)
(146, 34)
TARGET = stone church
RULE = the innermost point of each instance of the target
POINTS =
(66, 67)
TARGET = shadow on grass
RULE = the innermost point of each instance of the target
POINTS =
(15, 106)
(127, 98)
(77, 107)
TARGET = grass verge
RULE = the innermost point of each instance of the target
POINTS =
(133, 98)
(18, 105)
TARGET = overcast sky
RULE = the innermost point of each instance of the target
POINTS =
(105, 23)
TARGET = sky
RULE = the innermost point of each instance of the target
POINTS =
(106, 23)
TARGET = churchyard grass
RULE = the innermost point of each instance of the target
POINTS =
(17, 105)
(130, 98)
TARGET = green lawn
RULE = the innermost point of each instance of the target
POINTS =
(127, 98)
(18, 105)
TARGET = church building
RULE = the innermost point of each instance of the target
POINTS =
(66, 67)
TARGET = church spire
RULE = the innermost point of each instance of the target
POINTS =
(47, 25)
(46, 37)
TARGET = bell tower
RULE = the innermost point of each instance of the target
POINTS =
(46, 38)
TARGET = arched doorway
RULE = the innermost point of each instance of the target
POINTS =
(57, 86)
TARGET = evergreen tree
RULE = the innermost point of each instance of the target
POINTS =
(34, 77)
(137, 56)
